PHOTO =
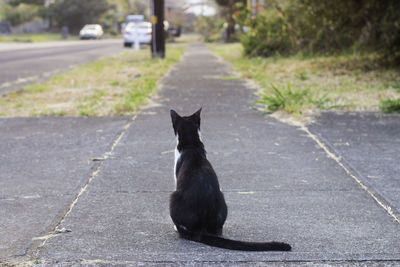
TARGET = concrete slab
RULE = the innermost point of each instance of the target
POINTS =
(135, 227)
(279, 185)
(44, 163)
(369, 144)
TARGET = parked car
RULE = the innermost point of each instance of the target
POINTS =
(141, 30)
(91, 31)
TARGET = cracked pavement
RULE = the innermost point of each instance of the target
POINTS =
(95, 190)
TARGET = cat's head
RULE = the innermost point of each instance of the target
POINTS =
(186, 128)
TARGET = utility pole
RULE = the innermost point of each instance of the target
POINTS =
(158, 34)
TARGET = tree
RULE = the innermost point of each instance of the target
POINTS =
(21, 13)
(348, 24)
(325, 26)
(137, 7)
(230, 6)
(29, 2)
(76, 13)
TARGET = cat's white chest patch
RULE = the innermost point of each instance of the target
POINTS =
(177, 157)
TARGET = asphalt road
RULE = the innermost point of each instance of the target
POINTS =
(21, 64)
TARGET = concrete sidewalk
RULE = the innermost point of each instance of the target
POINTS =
(95, 190)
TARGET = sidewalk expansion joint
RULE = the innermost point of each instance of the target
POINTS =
(57, 230)
(200, 262)
(339, 161)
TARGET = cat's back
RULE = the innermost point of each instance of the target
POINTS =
(196, 171)
(198, 186)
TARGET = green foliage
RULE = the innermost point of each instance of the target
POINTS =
(390, 106)
(228, 3)
(222, 2)
(301, 75)
(228, 10)
(136, 97)
(292, 101)
(36, 88)
(323, 26)
(268, 35)
(209, 27)
(335, 25)
(339, 82)
(76, 13)
(90, 103)
(115, 83)
(29, 2)
(21, 13)
(139, 7)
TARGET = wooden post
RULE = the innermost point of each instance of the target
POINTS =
(158, 33)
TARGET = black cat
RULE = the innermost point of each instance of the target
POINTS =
(197, 206)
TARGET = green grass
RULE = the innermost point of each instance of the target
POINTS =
(89, 103)
(390, 106)
(113, 85)
(228, 77)
(302, 85)
(302, 76)
(132, 99)
(292, 101)
(36, 88)
(98, 66)
(34, 37)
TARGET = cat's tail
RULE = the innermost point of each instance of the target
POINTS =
(220, 242)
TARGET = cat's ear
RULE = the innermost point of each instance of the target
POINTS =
(197, 113)
(174, 117)
(196, 117)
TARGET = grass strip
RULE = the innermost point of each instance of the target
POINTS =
(34, 37)
(302, 85)
(113, 85)
(390, 105)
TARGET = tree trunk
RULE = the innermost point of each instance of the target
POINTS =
(230, 30)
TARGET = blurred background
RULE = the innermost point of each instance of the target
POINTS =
(306, 54)
(310, 26)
